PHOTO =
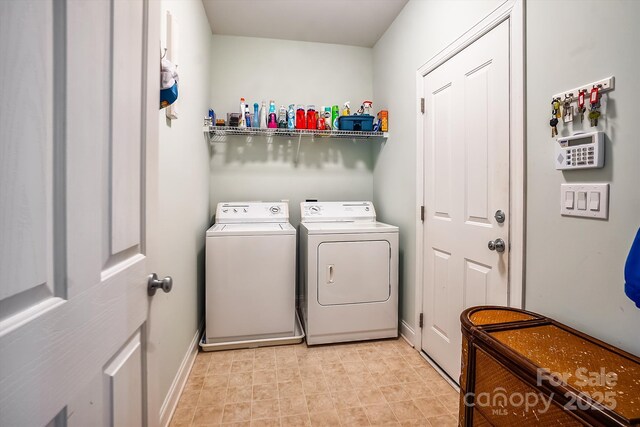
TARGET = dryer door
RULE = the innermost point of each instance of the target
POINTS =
(354, 272)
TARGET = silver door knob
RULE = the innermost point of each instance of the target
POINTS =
(497, 245)
(153, 284)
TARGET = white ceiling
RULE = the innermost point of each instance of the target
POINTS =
(349, 22)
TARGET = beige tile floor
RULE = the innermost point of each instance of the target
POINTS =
(357, 384)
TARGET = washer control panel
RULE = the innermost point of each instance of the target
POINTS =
(251, 212)
(337, 211)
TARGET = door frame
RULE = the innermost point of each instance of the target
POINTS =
(512, 11)
(150, 172)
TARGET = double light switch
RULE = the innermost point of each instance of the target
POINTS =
(586, 200)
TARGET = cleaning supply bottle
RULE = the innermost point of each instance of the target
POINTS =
(273, 121)
(247, 115)
(346, 110)
(291, 117)
(242, 123)
(335, 113)
(301, 120)
(256, 116)
(327, 117)
(263, 115)
(320, 120)
(282, 117)
(312, 120)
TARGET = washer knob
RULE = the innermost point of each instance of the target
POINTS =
(235, 210)
(314, 209)
(274, 209)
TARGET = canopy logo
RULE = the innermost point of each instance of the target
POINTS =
(501, 402)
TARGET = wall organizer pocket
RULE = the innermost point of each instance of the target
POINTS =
(587, 101)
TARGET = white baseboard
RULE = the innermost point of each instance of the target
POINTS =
(408, 333)
(171, 401)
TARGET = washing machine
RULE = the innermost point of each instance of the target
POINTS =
(348, 272)
(250, 277)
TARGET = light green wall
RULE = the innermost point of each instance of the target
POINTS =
(183, 195)
(289, 72)
(574, 265)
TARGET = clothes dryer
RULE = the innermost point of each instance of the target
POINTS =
(349, 273)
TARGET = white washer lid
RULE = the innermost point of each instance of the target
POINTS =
(348, 227)
(251, 229)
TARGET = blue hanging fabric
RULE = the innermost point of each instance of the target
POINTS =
(632, 272)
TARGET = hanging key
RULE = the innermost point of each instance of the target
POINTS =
(556, 108)
(567, 109)
(555, 114)
(594, 100)
(554, 126)
(581, 107)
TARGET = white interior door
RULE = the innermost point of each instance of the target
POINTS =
(466, 137)
(73, 299)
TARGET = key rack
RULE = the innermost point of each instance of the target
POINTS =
(606, 85)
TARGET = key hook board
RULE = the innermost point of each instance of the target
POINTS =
(568, 105)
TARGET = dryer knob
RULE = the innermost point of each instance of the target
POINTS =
(235, 210)
(274, 209)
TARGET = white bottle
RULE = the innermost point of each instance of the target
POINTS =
(263, 115)
(242, 123)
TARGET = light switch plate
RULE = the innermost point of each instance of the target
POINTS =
(574, 196)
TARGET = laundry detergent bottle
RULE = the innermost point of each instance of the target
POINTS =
(301, 119)
(273, 121)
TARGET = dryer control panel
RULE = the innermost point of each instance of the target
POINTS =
(337, 212)
(251, 212)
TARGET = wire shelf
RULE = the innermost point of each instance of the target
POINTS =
(218, 133)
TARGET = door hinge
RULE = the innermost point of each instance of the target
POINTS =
(421, 320)
(422, 213)
(422, 105)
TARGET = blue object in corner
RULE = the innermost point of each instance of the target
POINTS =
(632, 272)
(168, 96)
